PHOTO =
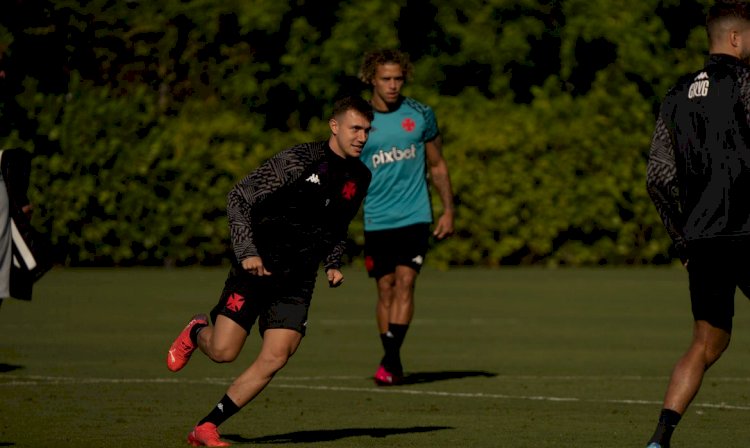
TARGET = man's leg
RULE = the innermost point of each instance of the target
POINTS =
(402, 308)
(708, 344)
(395, 312)
(222, 342)
(279, 344)
(386, 288)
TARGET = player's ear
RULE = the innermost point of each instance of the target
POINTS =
(334, 125)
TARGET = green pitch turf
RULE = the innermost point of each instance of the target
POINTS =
(495, 358)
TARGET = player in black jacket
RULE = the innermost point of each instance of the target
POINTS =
(699, 180)
(285, 218)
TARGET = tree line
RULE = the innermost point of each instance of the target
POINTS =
(142, 115)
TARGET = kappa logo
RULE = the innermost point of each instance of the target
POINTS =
(418, 260)
(699, 87)
(220, 406)
(314, 179)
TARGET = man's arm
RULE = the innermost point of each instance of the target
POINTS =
(438, 169)
(663, 187)
(271, 176)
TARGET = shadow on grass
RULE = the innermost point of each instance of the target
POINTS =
(431, 377)
(328, 435)
(7, 444)
(5, 368)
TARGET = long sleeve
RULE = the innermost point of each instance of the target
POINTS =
(662, 184)
(258, 186)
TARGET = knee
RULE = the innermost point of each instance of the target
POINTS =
(223, 354)
(713, 352)
(405, 280)
(404, 290)
(708, 352)
(273, 361)
(386, 290)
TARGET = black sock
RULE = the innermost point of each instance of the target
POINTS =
(387, 340)
(399, 333)
(392, 341)
(222, 411)
(194, 332)
(668, 420)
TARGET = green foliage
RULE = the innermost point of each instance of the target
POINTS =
(142, 115)
(130, 185)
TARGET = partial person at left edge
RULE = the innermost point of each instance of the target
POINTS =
(24, 254)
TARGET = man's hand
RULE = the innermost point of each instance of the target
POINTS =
(254, 266)
(444, 227)
(335, 277)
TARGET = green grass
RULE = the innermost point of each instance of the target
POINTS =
(503, 358)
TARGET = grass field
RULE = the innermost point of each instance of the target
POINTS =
(495, 358)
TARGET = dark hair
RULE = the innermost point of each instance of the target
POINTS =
(724, 10)
(373, 59)
(355, 103)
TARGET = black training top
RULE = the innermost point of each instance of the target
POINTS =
(294, 210)
(699, 164)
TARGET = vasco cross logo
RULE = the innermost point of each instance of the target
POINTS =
(408, 124)
(235, 302)
(349, 190)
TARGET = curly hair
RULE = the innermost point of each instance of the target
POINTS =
(375, 58)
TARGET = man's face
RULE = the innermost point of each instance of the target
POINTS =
(349, 133)
(387, 83)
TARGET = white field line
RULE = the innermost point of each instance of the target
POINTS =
(36, 380)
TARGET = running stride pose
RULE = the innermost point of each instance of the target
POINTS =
(285, 218)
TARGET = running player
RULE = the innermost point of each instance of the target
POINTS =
(285, 218)
(699, 180)
(404, 146)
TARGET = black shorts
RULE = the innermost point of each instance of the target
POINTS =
(716, 270)
(276, 301)
(404, 246)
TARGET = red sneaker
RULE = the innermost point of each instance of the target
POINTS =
(205, 435)
(183, 347)
(386, 378)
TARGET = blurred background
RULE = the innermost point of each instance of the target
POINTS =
(141, 115)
